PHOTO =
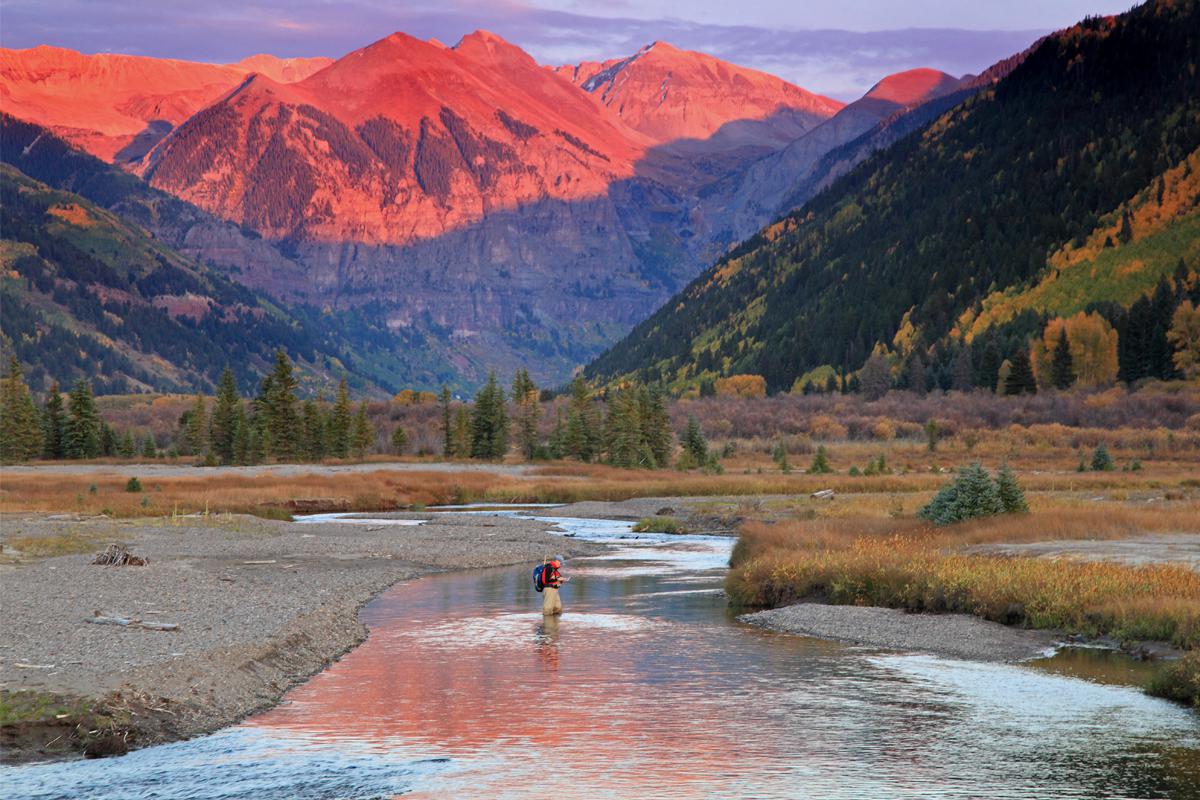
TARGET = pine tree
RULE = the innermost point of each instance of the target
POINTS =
(557, 446)
(623, 431)
(820, 463)
(461, 434)
(1101, 460)
(1062, 369)
(196, 433)
(399, 440)
(489, 422)
(81, 433)
(1012, 497)
(970, 495)
(1020, 378)
(583, 437)
(525, 397)
(962, 371)
(53, 423)
(362, 437)
(241, 437)
(126, 448)
(313, 424)
(695, 446)
(20, 424)
(283, 428)
(224, 417)
(149, 448)
(337, 428)
(108, 440)
(656, 426)
(447, 437)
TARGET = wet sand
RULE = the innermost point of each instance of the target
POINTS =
(260, 606)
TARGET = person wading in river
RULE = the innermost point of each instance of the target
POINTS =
(547, 579)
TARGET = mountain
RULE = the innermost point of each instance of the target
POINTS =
(375, 358)
(1009, 202)
(474, 196)
(699, 104)
(116, 106)
(500, 212)
(83, 293)
(768, 187)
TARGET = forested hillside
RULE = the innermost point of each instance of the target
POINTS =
(1073, 170)
(84, 293)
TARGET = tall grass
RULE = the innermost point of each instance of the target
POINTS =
(905, 564)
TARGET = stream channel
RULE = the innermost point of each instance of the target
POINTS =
(648, 687)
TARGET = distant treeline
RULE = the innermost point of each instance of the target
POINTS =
(631, 429)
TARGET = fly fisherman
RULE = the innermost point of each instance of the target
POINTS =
(547, 579)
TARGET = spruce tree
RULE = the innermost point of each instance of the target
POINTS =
(20, 424)
(1101, 460)
(623, 431)
(53, 423)
(972, 494)
(528, 409)
(557, 446)
(126, 447)
(224, 417)
(196, 432)
(489, 422)
(108, 440)
(695, 446)
(461, 435)
(1020, 378)
(283, 427)
(1012, 497)
(338, 426)
(313, 425)
(362, 437)
(820, 463)
(447, 438)
(399, 440)
(81, 433)
(241, 437)
(1062, 368)
(656, 426)
(583, 437)
(149, 448)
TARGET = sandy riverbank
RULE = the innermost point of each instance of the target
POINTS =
(246, 631)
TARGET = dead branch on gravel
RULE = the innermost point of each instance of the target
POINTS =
(118, 556)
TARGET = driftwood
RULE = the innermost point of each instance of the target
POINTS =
(118, 556)
(100, 619)
(824, 494)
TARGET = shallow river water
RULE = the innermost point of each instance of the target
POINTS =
(646, 688)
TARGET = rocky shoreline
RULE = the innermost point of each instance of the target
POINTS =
(259, 606)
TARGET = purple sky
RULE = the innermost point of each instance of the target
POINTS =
(836, 47)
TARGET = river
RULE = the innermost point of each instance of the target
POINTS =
(647, 687)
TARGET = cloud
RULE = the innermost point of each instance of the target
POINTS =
(840, 63)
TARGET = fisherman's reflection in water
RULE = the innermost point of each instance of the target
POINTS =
(547, 643)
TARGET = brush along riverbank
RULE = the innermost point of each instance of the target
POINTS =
(251, 607)
(1126, 585)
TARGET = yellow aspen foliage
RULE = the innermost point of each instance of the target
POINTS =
(1093, 346)
(742, 386)
(1185, 337)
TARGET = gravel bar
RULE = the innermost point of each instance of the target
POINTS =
(260, 606)
(951, 635)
